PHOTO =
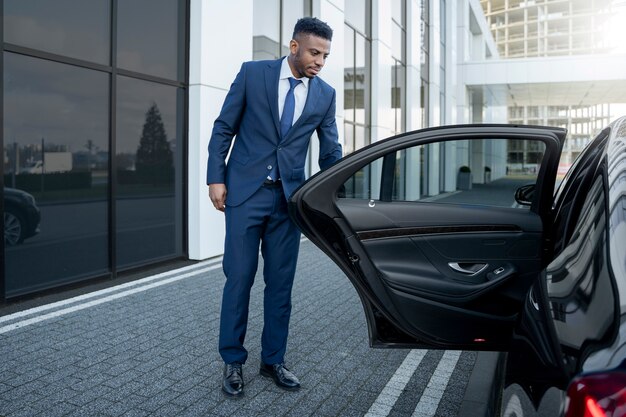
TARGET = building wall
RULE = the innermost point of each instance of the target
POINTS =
(213, 65)
(94, 133)
(222, 35)
(211, 24)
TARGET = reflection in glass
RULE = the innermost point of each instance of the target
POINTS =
(424, 63)
(356, 90)
(56, 159)
(362, 80)
(292, 11)
(348, 129)
(149, 168)
(349, 74)
(578, 280)
(266, 30)
(398, 11)
(356, 16)
(151, 36)
(74, 28)
(398, 96)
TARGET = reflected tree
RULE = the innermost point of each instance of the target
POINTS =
(154, 162)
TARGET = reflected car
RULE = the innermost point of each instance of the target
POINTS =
(515, 263)
(21, 216)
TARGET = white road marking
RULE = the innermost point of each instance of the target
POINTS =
(195, 269)
(428, 403)
(394, 388)
(83, 297)
(103, 300)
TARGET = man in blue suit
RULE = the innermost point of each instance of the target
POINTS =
(272, 108)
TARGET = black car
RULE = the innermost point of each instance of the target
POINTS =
(21, 216)
(515, 259)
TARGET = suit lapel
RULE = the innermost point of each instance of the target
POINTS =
(272, 74)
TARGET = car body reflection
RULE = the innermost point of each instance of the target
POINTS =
(21, 216)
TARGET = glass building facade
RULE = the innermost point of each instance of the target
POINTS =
(357, 74)
(107, 108)
(93, 127)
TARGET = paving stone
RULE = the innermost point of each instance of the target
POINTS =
(155, 353)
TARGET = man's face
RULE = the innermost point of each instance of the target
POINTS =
(308, 55)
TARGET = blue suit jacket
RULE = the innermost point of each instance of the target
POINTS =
(250, 112)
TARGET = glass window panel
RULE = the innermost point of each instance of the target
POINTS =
(360, 137)
(492, 181)
(365, 183)
(361, 80)
(398, 97)
(442, 20)
(56, 151)
(292, 11)
(397, 47)
(266, 29)
(151, 37)
(355, 13)
(74, 28)
(423, 103)
(397, 11)
(149, 171)
(349, 74)
(348, 129)
(424, 10)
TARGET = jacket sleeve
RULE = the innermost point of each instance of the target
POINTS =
(330, 148)
(225, 128)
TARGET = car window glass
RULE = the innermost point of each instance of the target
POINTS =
(477, 171)
(578, 282)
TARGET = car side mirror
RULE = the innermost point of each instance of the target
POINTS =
(525, 194)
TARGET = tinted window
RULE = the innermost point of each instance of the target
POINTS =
(440, 173)
(150, 39)
(75, 28)
(578, 281)
(56, 152)
(149, 170)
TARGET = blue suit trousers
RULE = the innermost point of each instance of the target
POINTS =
(262, 219)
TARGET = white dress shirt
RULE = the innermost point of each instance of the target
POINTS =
(300, 91)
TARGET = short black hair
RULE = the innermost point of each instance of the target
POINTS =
(313, 26)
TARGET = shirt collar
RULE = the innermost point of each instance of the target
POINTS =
(285, 72)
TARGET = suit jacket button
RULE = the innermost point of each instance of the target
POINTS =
(269, 167)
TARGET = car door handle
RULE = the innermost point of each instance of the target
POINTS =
(468, 268)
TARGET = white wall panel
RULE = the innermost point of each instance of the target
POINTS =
(221, 39)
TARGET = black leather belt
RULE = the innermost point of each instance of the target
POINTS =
(270, 183)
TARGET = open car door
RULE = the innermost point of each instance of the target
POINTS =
(440, 257)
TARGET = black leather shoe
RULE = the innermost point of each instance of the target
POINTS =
(232, 385)
(282, 376)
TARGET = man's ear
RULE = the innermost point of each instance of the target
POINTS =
(293, 46)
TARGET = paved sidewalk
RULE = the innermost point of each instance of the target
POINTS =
(139, 350)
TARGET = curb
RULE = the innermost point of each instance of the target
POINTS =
(483, 395)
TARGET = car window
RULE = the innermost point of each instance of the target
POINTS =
(478, 171)
(578, 281)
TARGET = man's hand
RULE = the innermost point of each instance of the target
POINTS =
(217, 194)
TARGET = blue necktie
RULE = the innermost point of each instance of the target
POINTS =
(289, 108)
(286, 119)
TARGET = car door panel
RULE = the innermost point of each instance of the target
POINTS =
(417, 258)
(447, 275)
(390, 215)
